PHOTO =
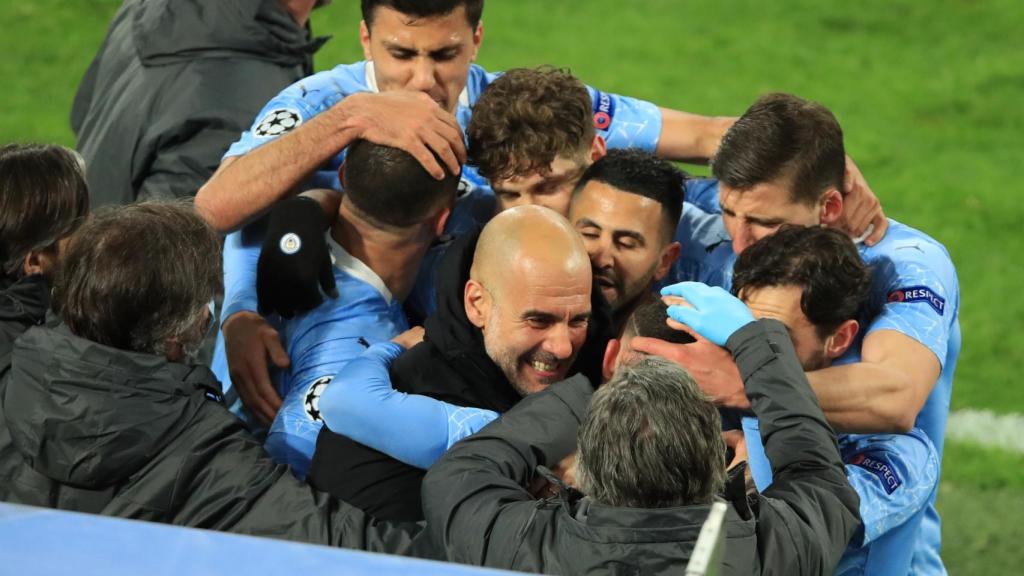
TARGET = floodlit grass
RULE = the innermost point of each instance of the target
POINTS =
(929, 94)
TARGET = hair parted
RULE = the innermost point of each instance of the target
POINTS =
(640, 172)
(43, 198)
(425, 9)
(389, 187)
(525, 119)
(136, 276)
(783, 136)
(822, 262)
(651, 439)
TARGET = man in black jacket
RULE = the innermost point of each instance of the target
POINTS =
(513, 312)
(173, 85)
(106, 414)
(649, 484)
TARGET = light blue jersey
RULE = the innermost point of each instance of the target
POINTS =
(320, 343)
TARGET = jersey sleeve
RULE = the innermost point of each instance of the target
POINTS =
(703, 193)
(894, 475)
(625, 122)
(411, 428)
(917, 292)
(241, 255)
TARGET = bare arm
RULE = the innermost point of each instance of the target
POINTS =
(246, 186)
(687, 137)
(885, 391)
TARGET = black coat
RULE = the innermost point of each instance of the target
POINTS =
(478, 508)
(174, 83)
(106, 431)
(452, 365)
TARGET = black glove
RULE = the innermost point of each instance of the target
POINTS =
(295, 262)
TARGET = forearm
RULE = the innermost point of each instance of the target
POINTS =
(865, 398)
(246, 186)
(687, 137)
(241, 254)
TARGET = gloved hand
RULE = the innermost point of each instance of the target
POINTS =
(295, 262)
(713, 313)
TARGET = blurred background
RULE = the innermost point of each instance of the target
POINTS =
(929, 95)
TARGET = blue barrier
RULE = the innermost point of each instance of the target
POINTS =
(43, 542)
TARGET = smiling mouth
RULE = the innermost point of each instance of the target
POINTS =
(544, 367)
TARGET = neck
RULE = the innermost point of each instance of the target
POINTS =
(299, 9)
(394, 256)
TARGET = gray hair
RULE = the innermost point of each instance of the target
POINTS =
(136, 277)
(651, 439)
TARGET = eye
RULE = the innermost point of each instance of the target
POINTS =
(590, 234)
(445, 56)
(402, 54)
(628, 243)
(579, 323)
(538, 323)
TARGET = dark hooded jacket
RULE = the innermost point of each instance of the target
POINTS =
(478, 509)
(101, 430)
(174, 83)
(452, 365)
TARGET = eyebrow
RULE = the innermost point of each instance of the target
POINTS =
(549, 317)
(399, 48)
(588, 223)
(763, 221)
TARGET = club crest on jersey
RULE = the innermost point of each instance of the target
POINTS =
(290, 243)
(278, 122)
(312, 400)
(604, 110)
(919, 294)
(885, 473)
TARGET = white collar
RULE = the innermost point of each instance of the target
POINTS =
(355, 267)
(371, 84)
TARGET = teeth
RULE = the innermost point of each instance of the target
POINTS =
(543, 367)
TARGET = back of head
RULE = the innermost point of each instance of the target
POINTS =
(135, 277)
(640, 172)
(43, 198)
(783, 136)
(425, 8)
(651, 439)
(390, 188)
(525, 119)
(822, 262)
(649, 321)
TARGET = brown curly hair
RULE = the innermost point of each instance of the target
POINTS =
(526, 118)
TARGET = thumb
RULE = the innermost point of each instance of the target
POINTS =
(652, 346)
(274, 349)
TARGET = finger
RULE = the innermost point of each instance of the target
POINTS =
(683, 328)
(452, 132)
(327, 281)
(881, 224)
(250, 399)
(681, 289)
(275, 350)
(684, 315)
(655, 347)
(418, 150)
(444, 148)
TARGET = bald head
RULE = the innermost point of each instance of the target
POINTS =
(529, 291)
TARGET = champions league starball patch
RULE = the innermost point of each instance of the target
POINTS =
(312, 401)
(278, 122)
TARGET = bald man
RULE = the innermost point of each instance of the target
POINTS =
(512, 317)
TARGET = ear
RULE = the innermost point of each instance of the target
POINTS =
(831, 207)
(341, 175)
(598, 148)
(668, 256)
(364, 39)
(840, 341)
(442, 220)
(477, 303)
(478, 37)
(40, 262)
(611, 357)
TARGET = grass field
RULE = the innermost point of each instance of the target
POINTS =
(929, 94)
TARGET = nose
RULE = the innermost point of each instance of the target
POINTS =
(559, 342)
(599, 252)
(742, 239)
(423, 79)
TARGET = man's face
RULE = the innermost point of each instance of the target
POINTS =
(624, 236)
(782, 303)
(429, 55)
(750, 215)
(551, 188)
(534, 329)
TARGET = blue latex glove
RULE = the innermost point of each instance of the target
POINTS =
(713, 313)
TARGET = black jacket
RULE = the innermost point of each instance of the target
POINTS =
(452, 365)
(477, 507)
(174, 83)
(101, 430)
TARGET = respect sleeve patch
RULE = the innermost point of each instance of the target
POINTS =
(604, 110)
(919, 294)
(882, 470)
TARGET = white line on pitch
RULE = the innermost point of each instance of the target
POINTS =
(988, 429)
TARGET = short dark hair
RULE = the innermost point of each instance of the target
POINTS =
(822, 262)
(651, 439)
(390, 188)
(425, 9)
(43, 198)
(135, 276)
(640, 172)
(783, 136)
(525, 119)
(648, 321)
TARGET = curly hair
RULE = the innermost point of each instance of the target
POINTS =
(526, 118)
